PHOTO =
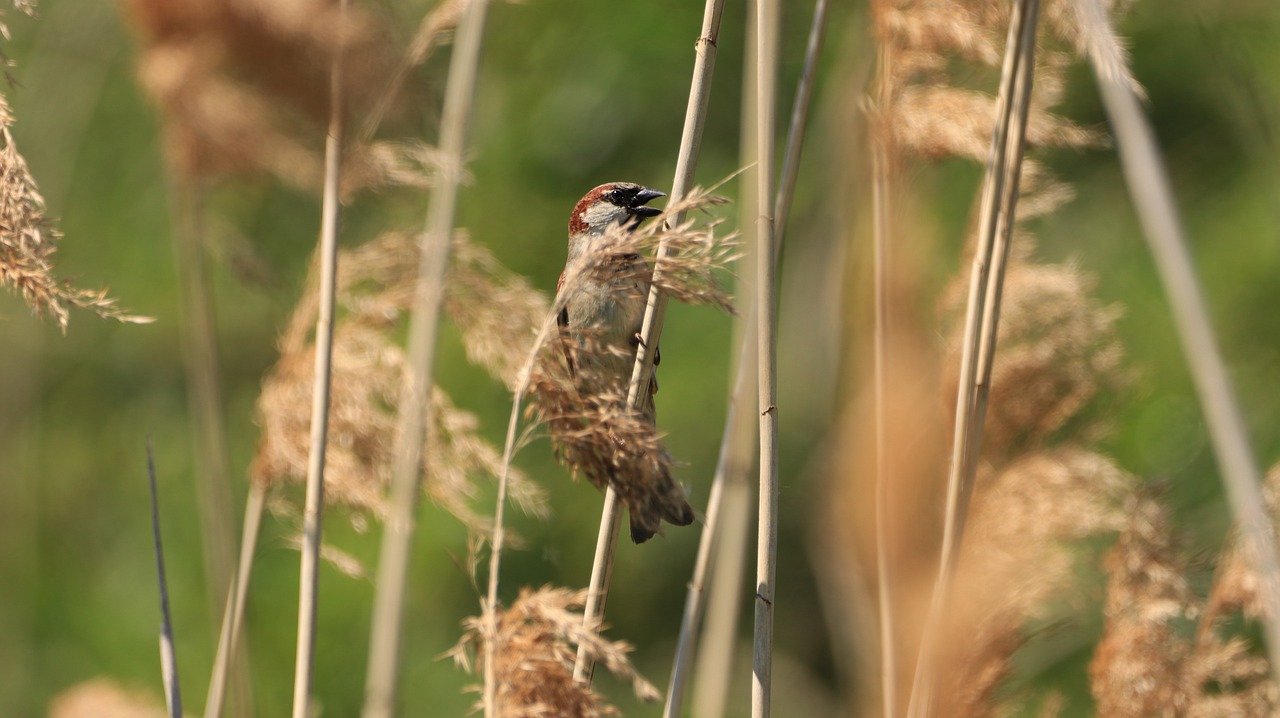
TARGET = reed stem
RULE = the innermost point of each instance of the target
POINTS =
(655, 312)
(313, 510)
(997, 212)
(767, 15)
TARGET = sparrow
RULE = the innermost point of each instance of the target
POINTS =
(600, 323)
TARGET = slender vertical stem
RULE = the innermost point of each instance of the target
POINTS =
(732, 444)
(199, 338)
(490, 604)
(601, 578)
(237, 595)
(881, 190)
(882, 197)
(168, 660)
(1149, 187)
(731, 468)
(1024, 80)
(313, 510)
(200, 355)
(717, 649)
(1000, 187)
(767, 13)
(655, 312)
(393, 562)
(799, 118)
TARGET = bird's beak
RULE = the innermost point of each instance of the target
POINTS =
(643, 197)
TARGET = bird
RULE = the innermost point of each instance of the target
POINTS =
(603, 309)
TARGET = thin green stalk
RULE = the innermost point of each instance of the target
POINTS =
(1000, 189)
(199, 339)
(655, 312)
(767, 14)
(393, 563)
(313, 510)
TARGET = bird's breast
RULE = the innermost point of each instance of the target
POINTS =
(611, 313)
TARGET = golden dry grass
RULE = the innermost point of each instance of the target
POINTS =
(535, 643)
(29, 240)
(1041, 488)
(375, 289)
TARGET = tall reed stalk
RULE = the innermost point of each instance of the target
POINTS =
(767, 16)
(393, 562)
(717, 647)
(655, 312)
(997, 211)
(313, 510)
(735, 442)
(695, 601)
(199, 338)
(882, 194)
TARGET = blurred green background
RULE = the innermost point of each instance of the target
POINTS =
(571, 94)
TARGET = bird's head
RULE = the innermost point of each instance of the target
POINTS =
(620, 203)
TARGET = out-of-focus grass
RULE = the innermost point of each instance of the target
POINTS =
(560, 110)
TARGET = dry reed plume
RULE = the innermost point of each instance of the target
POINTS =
(1039, 488)
(242, 86)
(497, 310)
(927, 111)
(1017, 557)
(29, 239)
(1150, 662)
(534, 661)
(375, 289)
(1058, 352)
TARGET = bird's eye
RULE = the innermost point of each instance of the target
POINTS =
(614, 197)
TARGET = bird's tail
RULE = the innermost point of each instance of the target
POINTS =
(664, 502)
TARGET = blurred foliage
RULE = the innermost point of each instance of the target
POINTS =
(571, 94)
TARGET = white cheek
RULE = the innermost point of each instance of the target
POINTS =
(600, 216)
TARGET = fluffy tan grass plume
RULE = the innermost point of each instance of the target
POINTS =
(536, 642)
(29, 239)
(375, 290)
